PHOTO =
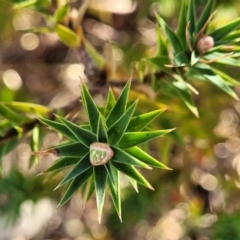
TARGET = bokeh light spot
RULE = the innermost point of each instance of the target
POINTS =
(12, 79)
(29, 41)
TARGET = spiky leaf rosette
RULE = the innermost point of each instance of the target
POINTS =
(192, 50)
(108, 146)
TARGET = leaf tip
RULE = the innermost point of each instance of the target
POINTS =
(99, 219)
(150, 187)
(40, 174)
(58, 186)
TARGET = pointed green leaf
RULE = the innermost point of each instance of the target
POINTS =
(219, 58)
(184, 94)
(90, 108)
(131, 139)
(194, 58)
(102, 130)
(34, 143)
(9, 114)
(100, 179)
(168, 124)
(117, 130)
(182, 24)
(141, 121)
(27, 107)
(67, 36)
(134, 183)
(84, 136)
(123, 157)
(75, 185)
(180, 59)
(206, 71)
(144, 157)
(8, 145)
(161, 62)
(220, 33)
(119, 107)
(161, 44)
(62, 12)
(228, 80)
(91, 188)
(191, 19)
(59, 128)
(31, 4)
(110, 102)
(82, 166)
(205, 14)
(172, 37)
(115, 191)
(88, 189)
(232, 36)
(97, 58)
(131, 172)
(69, 150)
(62, 163)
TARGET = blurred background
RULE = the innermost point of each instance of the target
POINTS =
(198, 200)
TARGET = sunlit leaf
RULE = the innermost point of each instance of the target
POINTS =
(182, 90)
(180, 59)
(114, 187)
(31, 3)
(220, 33)
(67, 36)
(205, 71)
(194, 58)
(182, 24)
(191, 19)
(131, 139)
(205, 15)
(9, 114)
(90, 108)
(144, 157)
(161, 44)
(110, 102)
(172, 37)
(102, 130)
(141, 121)
(228, 80)
(100, 180)
(97, 58)
(76, 149)
(60, 128)
(62, 12)
(61, 163)
(75, 185)
(27, 107)
(119, 107)
(219, 58)
(83, 135)
(161, 62)
(117, 130)
(131, 172)
(82, 166)
(35, 144)
(123, 157)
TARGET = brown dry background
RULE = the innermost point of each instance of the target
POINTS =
(198, 200)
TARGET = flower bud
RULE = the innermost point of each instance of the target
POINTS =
(100, 153)
(204, 44)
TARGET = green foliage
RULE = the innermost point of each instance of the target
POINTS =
(190, 53)
(113, 130)
(228, 225)
(16, 188)
(98, 155)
